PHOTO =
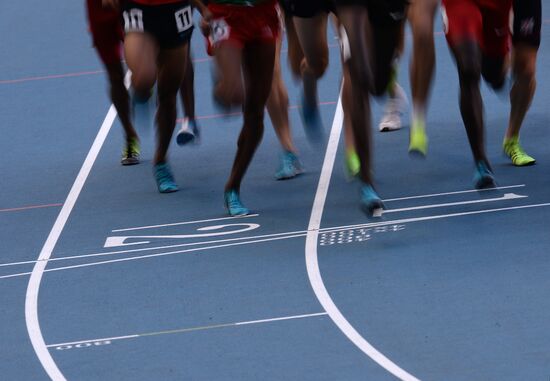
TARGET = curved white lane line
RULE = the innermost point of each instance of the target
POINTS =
(31, 300)
(312, 263)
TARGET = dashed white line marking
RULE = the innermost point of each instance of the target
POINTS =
(73, 344)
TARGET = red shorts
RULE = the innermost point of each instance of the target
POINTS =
(107, 33)
(486, 22)
(240, 25)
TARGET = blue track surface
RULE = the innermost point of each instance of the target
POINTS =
(451, 285)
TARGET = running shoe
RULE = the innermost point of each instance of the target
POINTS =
(371, 203)
(313, 125)
(516, 153)
(290, 166)
(130, 153)
(352, 165)
(483, 176)
(165, 179)
(418, 140)
(395, 108)
(233, 204)
(188, 133)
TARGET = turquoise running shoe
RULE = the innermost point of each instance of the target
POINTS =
(290, 166)
(233, 204)
(164, 178)
(371, 203)
(483, 176)
(313, 125)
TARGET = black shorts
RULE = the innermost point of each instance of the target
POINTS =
(527, 22)
(381, 12)
(170, 24)
(306, 8)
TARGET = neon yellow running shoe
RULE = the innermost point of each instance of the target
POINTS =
(352, 165)
(514, 151)
(418, 140)
(130, 153)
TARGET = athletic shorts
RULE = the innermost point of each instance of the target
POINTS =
(486, 22)
(306, 8)
(170, 24)
(381, 12)
(527, 20)
(240, 25)
(106, 29)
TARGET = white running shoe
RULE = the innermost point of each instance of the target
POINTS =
(395, 108)
(188, 133)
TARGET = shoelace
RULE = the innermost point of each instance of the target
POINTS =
(233, 201)
(516, 151)
(288, 161)
(164, 175)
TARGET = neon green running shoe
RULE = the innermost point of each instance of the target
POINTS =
(130, 153)
(514, 151)
(352, 165)
(418, 140)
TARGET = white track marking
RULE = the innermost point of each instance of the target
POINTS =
(452, 193)
(312, 263)
(117, 241)
(507, 196)
(114, 338)
(157, 255)
(273, 237)
(436, 217)
(33, 287)
(184, 223)
(193, 329)
(154, 248)
(229, 239)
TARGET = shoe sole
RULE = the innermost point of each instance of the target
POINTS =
(373, 209)
(296, 174)
(389, 129)
(236, 215)
(526, 164)
(129, 163)
(183, 139)
(169, 190)
(486, 183)
(415, 153)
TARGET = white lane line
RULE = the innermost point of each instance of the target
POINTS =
(33, 287)
(231, 239)
(453, 193)
(436, 217)
(274, 237)
(156, 255)
(117, 252)
(192, 329)
(155, 248)
(184, 223)
(312, 263)
(507, 196)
